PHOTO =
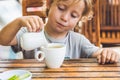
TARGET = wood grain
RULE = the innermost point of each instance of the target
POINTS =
(73, 69)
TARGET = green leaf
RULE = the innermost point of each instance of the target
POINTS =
(21, 77)
(14, 77)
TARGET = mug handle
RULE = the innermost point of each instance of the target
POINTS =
(41, 57)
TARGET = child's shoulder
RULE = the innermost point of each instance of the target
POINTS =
(76, 38)
(75, 34)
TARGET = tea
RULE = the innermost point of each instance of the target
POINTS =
(55, 46)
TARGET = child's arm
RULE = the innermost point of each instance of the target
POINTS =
(8, 33)
(106, 55)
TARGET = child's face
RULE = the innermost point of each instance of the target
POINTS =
(64, 15)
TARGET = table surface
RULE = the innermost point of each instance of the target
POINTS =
(73, 69)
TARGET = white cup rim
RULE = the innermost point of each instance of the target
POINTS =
(53, 44)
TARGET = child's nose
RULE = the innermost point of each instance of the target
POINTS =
(65, 16)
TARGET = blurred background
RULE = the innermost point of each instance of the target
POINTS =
(9, 10)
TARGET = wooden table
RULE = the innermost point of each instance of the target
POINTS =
(77, 69)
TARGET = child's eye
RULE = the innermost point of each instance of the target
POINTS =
(61, 7)
(74, 15)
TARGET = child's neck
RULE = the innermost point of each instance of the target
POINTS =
(55, 34)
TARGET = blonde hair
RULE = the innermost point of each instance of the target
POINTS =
(88, 11)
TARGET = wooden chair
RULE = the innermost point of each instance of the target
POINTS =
(110, 21)
(104, 28)
(34, 7)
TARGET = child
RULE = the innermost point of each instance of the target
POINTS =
(63, 16)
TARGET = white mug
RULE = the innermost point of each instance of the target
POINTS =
(54, 54)
(32, 40)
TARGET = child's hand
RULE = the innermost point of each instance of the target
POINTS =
(33, 23)
(108, 55)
